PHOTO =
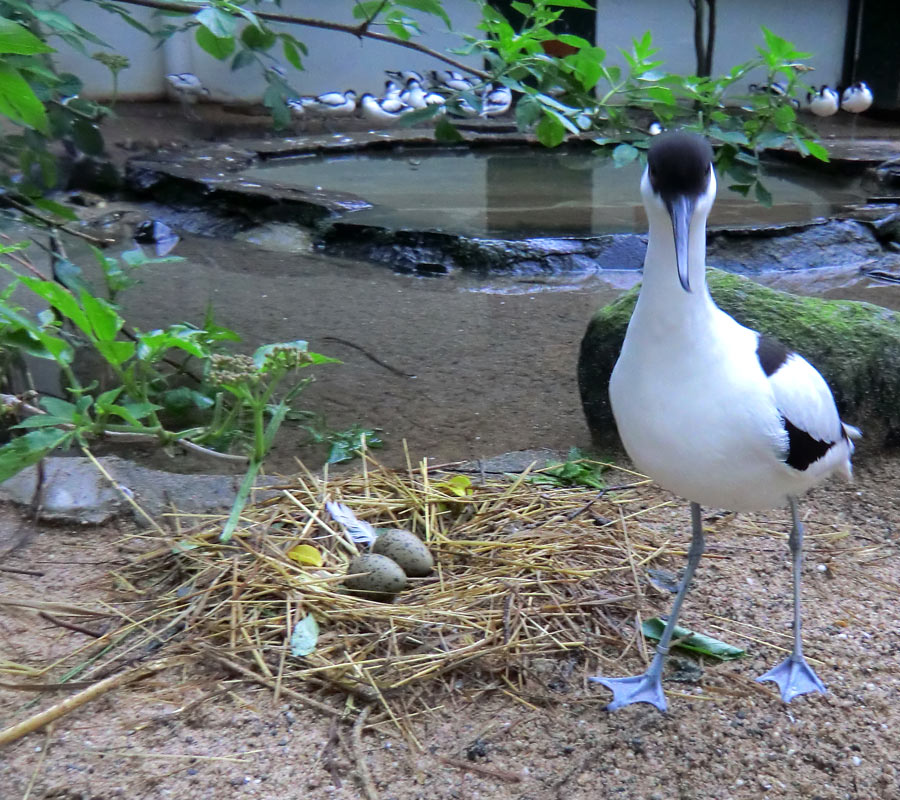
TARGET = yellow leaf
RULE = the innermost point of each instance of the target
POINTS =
(305, 554)
(460, 485)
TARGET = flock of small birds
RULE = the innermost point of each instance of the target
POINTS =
(404, 91)
(407, 90)
(825, 101)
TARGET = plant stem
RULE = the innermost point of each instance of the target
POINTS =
(240, 501)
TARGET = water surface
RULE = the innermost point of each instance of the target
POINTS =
(518, 192)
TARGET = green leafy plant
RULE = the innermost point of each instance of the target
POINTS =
(236, 401)
(343, 445)
(581, 94)
(577, 470)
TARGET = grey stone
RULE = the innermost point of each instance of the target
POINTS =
(856, 347)
(834, 243)
(76, 492)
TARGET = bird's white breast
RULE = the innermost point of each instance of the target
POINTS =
(696, 412)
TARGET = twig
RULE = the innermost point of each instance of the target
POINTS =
(53, 223)
(484, 769)
(368, 355)
(354, 30)
(32, 572)
(241, 670)
(39, 720)
(69, 625)
(362, 768)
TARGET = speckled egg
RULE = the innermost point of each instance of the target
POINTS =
(407, 549)
(383, 578)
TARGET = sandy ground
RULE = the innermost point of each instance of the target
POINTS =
(194, 731)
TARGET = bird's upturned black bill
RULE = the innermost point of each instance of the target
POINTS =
(681, 209)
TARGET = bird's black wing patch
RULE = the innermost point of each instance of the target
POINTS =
(771, 354)
(803, 449)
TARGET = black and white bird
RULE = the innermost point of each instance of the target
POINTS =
(777, 89)
(404, 75)
(189, 89)
(713, 411)
(414, 95)
(391, 101)
(186, 83)
(374, 110)
(823, 102)
(857, 98)
(496, 101)
(450, 80)
(337, 104)
(300, 107)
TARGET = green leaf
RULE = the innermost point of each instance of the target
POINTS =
(570, 4)
(132, 413)
(258, 39)
(550, 131)
(528, 111)
(784, 117)
(40, 421)
(433, 7)
(219, 47)
(732, 137)
(115, 352)
(22, 334)
(61, 299)
(19, 102)
(55, 208)
(105, 321)
(275, 101)
(23, 451)
(695, 642)
(15, 38)
(661, 94)
(305, 636)
(106, 398)
(219, 23)
(87, 136)
(243, 59)
(61, 409)
(763, 195)
(291, 54)
(446, 131)
(624, 154)
(816, 150)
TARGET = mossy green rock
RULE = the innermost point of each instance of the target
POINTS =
(856, 347)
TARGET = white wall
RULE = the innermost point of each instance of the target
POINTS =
(336, 60)
(340, 61)
(814, 26)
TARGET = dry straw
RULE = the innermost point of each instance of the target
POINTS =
(523, 571)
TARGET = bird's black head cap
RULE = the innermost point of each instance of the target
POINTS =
(679, 164)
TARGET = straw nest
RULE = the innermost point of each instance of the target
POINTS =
(527, 576)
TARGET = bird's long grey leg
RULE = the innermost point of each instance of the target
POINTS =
(647, 688)
(793, 675)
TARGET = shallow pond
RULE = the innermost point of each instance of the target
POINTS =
(518, 192)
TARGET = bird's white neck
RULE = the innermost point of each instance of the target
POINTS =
(662, 295)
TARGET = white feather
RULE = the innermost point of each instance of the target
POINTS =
(359, 531)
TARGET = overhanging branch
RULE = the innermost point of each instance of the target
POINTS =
(360, 31)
